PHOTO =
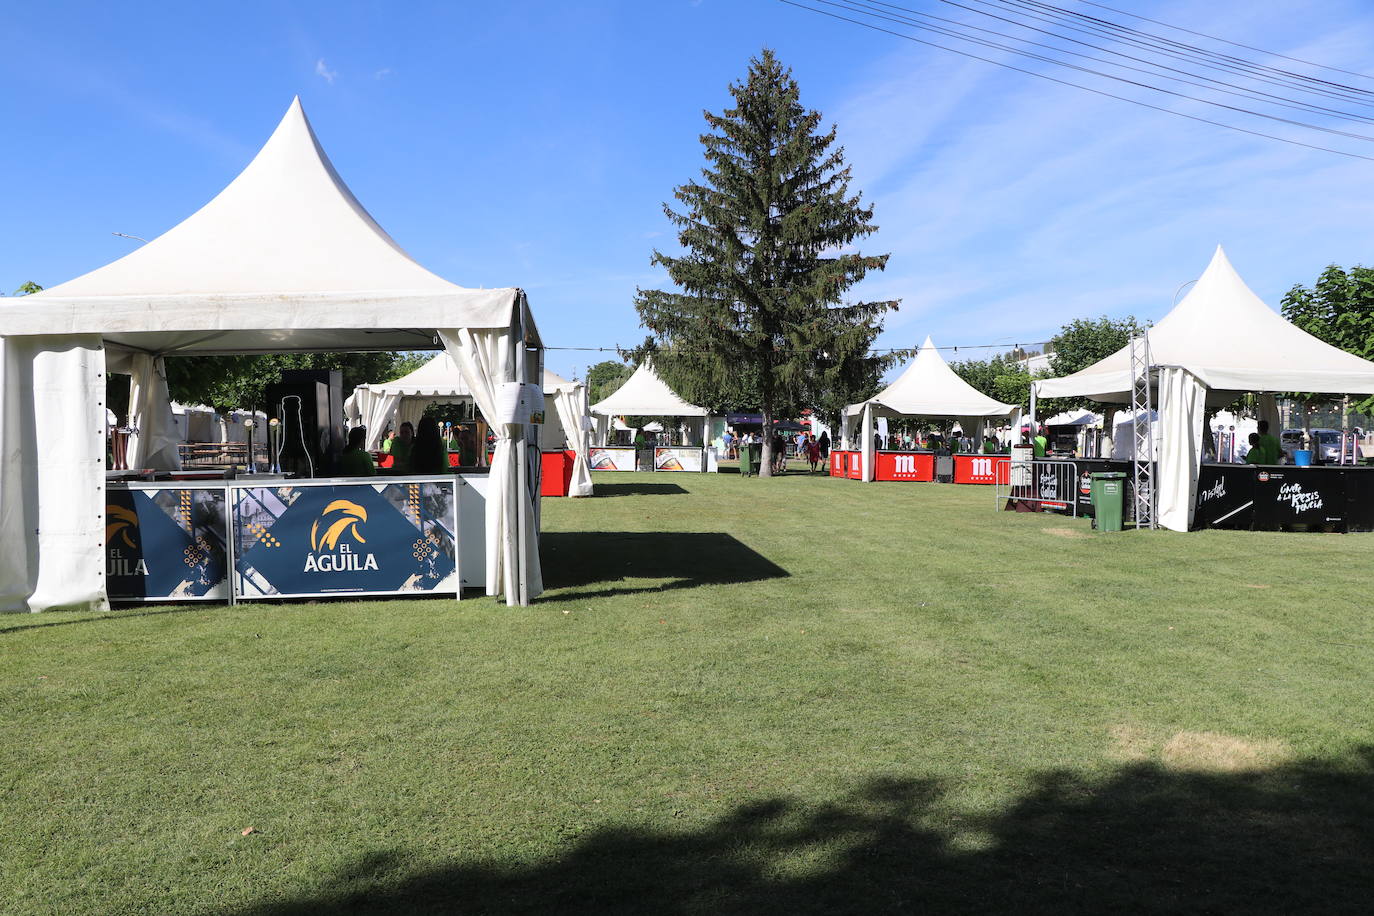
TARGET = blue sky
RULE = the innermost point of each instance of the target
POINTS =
(532, 144)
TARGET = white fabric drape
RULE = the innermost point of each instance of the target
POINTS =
(869, 450)
(603, 428)
(1182, 404)
(846, 425)
(154, 442)
(571, 404)
(52, 454)
(376, 410)
(973, 428)
(1269, 410)
(486, 358)
(410, 411)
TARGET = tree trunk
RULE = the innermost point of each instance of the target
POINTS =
(766, 460)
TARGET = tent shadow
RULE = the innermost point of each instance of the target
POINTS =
(577, 559)
(50, 619)
(1140, 838)
(638, 489)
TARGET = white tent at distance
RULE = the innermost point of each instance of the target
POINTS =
(439, 379)
(283, 259)
(926, 388)
(1219, 342)
(644, 394)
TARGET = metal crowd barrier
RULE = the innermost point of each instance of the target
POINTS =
(1046, 484)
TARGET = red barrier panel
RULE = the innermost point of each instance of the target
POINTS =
(837, 460)
(856, 465)
(904, 466)
(556, 474)
(979, 468)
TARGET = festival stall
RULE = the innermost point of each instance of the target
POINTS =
(644, 394)
(928, 388)
(1220, 342)
(284, 259)
(564, 435)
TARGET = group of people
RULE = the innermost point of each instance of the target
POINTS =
(413, 451)
(748, 446)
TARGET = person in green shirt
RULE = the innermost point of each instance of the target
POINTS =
(354, 461)
(1273, 449)
(1256, 455)
(990, 447)
(1041, 442)
(400, 449)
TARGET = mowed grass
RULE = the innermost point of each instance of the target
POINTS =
(737, 695)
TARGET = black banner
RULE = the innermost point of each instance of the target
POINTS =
(1300, 499)
(1225, 496)
(165, 544)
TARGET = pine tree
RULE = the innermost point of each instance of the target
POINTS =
(760, 317)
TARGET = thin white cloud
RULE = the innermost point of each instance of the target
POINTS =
(382, 73)
(322, 71)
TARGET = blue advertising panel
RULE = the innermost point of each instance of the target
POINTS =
(166, 544)
(355, 538)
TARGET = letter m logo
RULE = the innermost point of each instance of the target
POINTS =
(905, 464)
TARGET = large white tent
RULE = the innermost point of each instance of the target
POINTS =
(644, 394)
(928, 387)
(1221, 341)
(284, 259)
(439, 380)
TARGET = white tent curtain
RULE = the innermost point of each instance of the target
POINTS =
(1269, 410)
(869, 450)
(1182, 404)
(487, 359)
(52, 443)
(375, 411)
(846, 424)
(410, 410)
(571, 404)
(154, 442)
(974, 428)
(603, 427)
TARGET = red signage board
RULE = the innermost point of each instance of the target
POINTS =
(837, 463)
(905, 466)
(979, 468)
(856, 465)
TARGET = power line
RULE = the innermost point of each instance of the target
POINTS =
(1209, 84)
(1234, 44)
(1063, 82)
(954, 348)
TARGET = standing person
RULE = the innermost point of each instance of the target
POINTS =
(428, 454)
(824, 444)
(779, 453)
(386, 439)
(725, 441)
(1041, 442)
(813, 454)
(354, 461)
(1271, 445)
(401, 447)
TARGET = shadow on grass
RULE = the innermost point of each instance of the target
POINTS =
(574, 559)
(49, 619)
(638, 489)
(1140, 839)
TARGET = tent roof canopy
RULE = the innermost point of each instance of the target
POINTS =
(440, 378)
(644, 394)
(284, 258)
(1232, 342)
(928, 387)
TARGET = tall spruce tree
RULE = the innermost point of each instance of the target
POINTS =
(766, 264)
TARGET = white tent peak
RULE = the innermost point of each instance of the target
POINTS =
(1231, 340)
(644, 394)
(928, 387)
(287, 224)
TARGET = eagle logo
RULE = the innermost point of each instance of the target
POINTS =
(120, 523)
(347, 517)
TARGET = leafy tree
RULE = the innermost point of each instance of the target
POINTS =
(28, 289)
(766, 236)
(1338, 309)
(1078, 345)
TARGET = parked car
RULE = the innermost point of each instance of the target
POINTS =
(1290, 440)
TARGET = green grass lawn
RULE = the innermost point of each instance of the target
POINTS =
(737, 695)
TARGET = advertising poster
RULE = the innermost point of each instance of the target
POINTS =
(904, 466)
(980, 469)
(364, 538)
(677, 459)
(166, 544)
(613, 459)
(837, 460)
(1299, 499)
(1225, 497)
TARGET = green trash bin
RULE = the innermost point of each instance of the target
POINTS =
(1109, 497)
(746, 459)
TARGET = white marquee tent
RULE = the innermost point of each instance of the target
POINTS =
(440, 380)
(1220, 342)
(926, 388)
(644, 394)
(284, 259)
